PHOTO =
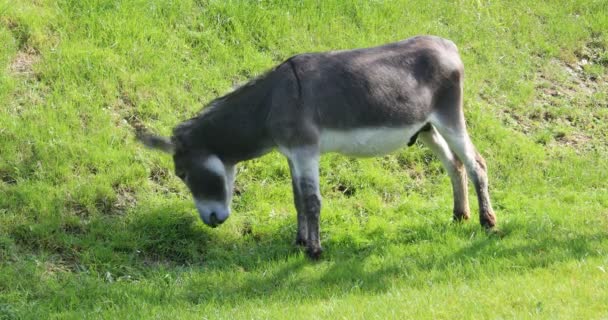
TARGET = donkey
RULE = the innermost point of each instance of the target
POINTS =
(362, 102)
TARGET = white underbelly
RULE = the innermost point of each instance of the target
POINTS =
(367, 142)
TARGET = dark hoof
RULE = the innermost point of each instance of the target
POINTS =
(314, 253)
(461, 216)
(488, 220)
(300, 242)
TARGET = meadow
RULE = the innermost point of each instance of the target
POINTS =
(93, 225)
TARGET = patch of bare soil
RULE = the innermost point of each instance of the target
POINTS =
(23, 62)
(77, 208)
(124, 112)
(125, 102)
(6, 177)
(125, 198)
(119, 204)
(27, 55)
(568, 101)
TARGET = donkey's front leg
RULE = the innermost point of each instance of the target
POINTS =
(302, 233)
(304, 164)
(311, 200)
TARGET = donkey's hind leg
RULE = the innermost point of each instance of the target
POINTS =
(455, 133)
(302, 233)
(434, 141)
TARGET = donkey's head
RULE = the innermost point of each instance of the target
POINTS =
(209, 179)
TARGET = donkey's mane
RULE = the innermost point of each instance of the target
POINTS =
(232, 99)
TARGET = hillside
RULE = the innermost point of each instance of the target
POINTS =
(94, 225)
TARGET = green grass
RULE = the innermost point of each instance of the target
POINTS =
(92, 225)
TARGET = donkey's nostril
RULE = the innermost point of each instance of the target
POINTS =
(213, 218)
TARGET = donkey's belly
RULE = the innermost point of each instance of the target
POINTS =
(366, 142)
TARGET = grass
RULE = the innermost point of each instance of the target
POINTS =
(93, 225)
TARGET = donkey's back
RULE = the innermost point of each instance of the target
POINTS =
(370, 101)
(390, 85)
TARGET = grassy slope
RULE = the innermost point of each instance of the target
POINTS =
(93, 224)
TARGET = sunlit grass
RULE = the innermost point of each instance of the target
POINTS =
(94, 225)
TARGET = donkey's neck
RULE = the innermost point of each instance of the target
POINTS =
(234, 132)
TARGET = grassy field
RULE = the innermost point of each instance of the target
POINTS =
(93, 225)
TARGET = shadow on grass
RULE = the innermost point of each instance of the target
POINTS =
(268, 265)
(230, 269)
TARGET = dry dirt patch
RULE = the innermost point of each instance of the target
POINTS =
(23, 62)
(569, 101)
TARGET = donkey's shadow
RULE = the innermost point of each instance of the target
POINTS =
(279, 266)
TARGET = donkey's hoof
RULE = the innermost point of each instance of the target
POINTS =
(300, 242)
(461, 216)
(488, 220)
(314, 253)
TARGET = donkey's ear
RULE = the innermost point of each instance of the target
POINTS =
(156, 142)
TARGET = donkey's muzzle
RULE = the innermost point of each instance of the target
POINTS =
(214, 221)
(213, 213)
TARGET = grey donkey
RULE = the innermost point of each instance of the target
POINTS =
(362, 102)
